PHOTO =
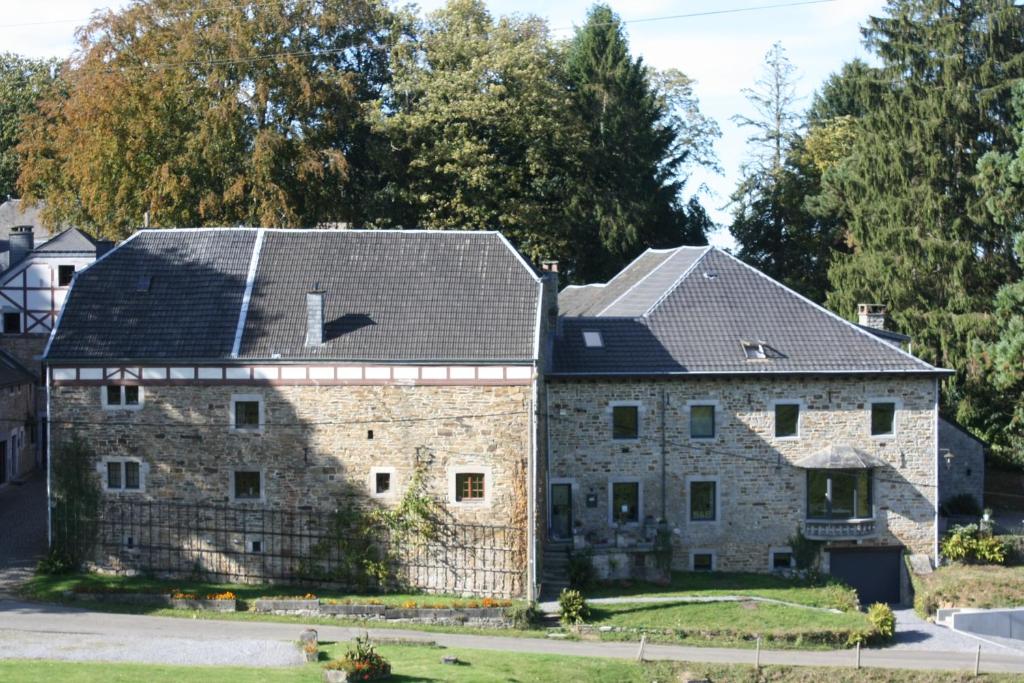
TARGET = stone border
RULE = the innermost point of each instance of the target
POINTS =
(156, 600)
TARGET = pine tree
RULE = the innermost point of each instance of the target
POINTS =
(921, 239)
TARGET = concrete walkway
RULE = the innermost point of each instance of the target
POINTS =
(19, 618)
(22, 530)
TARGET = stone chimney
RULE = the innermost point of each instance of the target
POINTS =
(872, 315)
(315, 317)
(20, 242)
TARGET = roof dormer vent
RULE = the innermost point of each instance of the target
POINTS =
(754, 350)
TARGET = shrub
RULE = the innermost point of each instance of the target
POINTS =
(963, 504)
(883, 621)
(1014, 549)
(990, 550)
(806, 552)
(967, 543)
(524, 616)
(581, 570)
(409, 604)
(574, 608)
(362, 662)
(840, 596)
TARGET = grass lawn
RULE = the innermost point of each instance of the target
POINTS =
(419, 663)
(968, 586)
(735, 623)
(832, 595)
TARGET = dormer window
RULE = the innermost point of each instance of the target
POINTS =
(754, 350)
(592, 339)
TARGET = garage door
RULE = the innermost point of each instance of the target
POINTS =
(873, 571)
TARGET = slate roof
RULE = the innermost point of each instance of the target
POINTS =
(400, 296)
(71, 241)
(691, 315)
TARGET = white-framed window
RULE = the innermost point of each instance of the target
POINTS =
(625, 501)
(383, 482)
(247, 485)
(787, 415)
(123, 475)
(702, 560)
(882, 417)
(121, 397)
(625, 420)
(247, 413)
(703, 420)
(704, 499)
(254, 544)
(781, 558)
(469, 485)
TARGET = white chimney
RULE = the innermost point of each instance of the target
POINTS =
(872, 315)
(315, 317)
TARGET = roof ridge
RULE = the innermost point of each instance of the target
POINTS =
(676, 284)
(651, 272)
(853, 326)
(338, 231)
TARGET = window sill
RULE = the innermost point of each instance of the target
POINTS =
(246, 430)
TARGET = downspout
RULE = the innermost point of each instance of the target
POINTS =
(49, 464)
(935, 460)
(663, 474)
(531, 498)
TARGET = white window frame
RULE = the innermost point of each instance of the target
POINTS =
(250, 540)
(704, 551)
(612, 405)
(101, 467)
(714, 403)
(472, 502)
(772, 551)
(639, 500)
(393, 491)
(243, 398)
(690, 480)
(122, 405)
(799, 418)
(263, 485)
(897, 406)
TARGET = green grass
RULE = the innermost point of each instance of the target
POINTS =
(734, 623)
(419, 663)
(968, 586)
(51, 588)
(831, 595)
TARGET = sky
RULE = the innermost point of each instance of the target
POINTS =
(723, 52)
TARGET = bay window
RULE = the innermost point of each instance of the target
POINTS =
(839, 494)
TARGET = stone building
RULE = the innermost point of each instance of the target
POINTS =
(693, 389)
(961, 464)
(270, 374)
(19, 452)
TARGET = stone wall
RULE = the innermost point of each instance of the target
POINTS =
(26, 348)
(761, 495)
(17, 415)
(320, 444)
(964, 471)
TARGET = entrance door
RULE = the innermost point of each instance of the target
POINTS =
(561, 511)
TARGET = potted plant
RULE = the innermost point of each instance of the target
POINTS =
(360, 663)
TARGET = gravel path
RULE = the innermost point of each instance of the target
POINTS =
(88, 647)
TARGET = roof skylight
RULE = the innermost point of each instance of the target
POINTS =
(592, 339)
(754, 350)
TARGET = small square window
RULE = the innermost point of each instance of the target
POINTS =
(131, 475)
(247, 485)
(113, 475)
(754, 350)
(702, 422)
(12, 323)
(247, 414)
(65, 274)
(703, 562)
(382, 483)
(702, 501)
(782, 560)
(255, 546)
(131, 396)
(469, 486)
(625, 422)
(883, 418)
(787, 419)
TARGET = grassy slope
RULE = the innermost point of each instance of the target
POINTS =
(968, 586)
(411, 663)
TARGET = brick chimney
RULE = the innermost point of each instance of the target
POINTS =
(872, 315)
(315, 317)
(549, 266)
(20, 242)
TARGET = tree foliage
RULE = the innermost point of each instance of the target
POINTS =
(23, 82)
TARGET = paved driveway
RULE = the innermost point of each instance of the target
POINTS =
(914, 633)
(22, 529)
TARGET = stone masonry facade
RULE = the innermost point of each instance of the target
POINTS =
(761, 494)
(17, 428)
(319, 445)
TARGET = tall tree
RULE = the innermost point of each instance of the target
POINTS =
(625, 192)
(212, 113)
(23, 82)
(908, 193)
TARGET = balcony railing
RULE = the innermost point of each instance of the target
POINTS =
(840, 529)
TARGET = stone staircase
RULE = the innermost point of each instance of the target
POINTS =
(555, 574)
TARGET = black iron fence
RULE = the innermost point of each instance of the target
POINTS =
(248, 544)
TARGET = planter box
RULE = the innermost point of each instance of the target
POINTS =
(158, 599)
(372, 611)
(203, 604)
(288, 606)
(335, 676)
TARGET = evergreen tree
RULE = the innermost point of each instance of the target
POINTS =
(625, 185)
(908, 193)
